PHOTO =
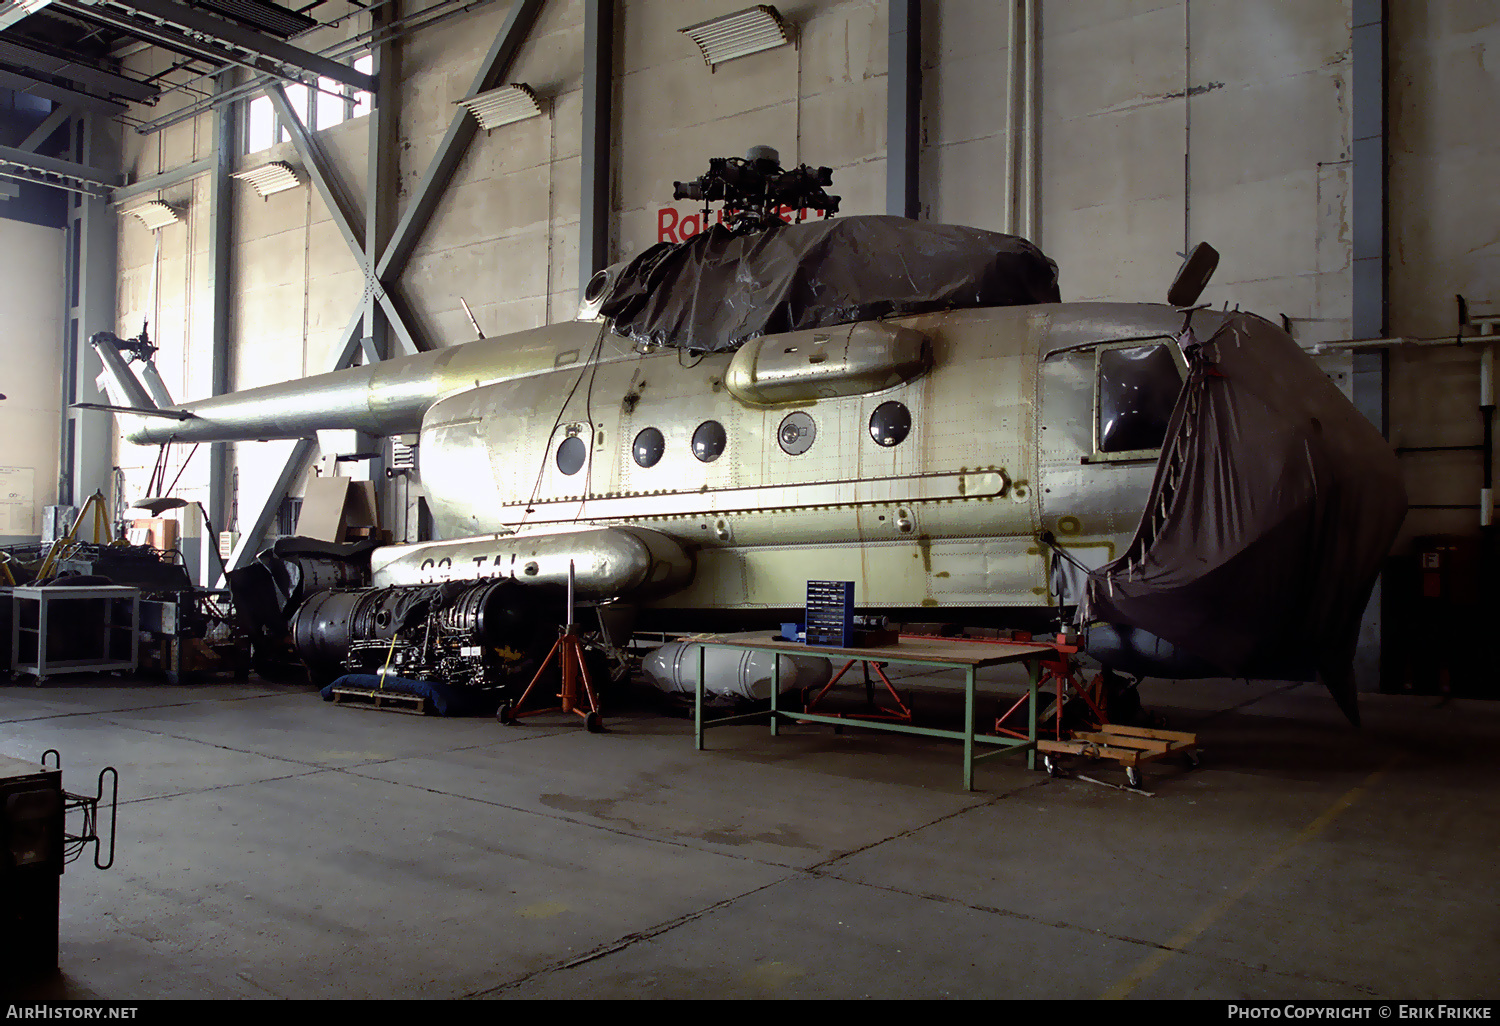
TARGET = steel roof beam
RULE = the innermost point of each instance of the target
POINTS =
(84, 74)
(59, 94)
(174, 40)
(219, 48)
(165, 180)
(36, 178)
(250, 40)
(57, 166)
(451, 150)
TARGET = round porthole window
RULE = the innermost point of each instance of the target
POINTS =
(648, 447)
(797, 433)
(709, 440)
(571, 454)
(890, 424)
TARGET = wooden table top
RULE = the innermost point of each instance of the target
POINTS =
(927, 650)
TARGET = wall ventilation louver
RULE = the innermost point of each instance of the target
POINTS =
(269, 179)
(737, 35)
(502, 106)
(154, 214)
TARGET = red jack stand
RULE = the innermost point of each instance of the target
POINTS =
(1062, 670)
(569, 648)
(900, 714)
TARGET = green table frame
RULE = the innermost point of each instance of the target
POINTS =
(944, 653)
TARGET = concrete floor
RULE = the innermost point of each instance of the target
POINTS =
(274, 845)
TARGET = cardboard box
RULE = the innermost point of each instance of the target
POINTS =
(332, 506)
(157, 532)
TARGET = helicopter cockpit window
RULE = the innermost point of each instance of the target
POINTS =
(709, 440)
(1137, 386)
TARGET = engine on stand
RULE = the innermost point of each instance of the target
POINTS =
(482, 634)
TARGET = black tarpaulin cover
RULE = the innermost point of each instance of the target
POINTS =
(717, 290)
(1275, 502)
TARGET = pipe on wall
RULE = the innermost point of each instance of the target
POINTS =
(1030, 94)
(1022, 93)
(1012, 91)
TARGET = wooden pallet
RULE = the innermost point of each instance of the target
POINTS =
(388, 701)
(1128, 746)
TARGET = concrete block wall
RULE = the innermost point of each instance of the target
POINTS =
(1161, 123)
(31, 274)
(1444, 239)
(820, 102)
(504, 237)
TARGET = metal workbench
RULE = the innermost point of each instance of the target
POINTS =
(114, 647)
(931, 652)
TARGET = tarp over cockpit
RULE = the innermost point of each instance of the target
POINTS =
(1274, 504)
(718, 290)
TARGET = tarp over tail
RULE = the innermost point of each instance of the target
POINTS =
(1274, 504)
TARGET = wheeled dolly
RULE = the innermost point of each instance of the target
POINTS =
(1129, 746)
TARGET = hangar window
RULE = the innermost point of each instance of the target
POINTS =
(648, 447)
(709, 440)
(330, 103)
(890, 424)
(571, 454)
(1136, 387)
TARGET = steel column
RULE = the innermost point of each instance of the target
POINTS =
(1369, 170)
(380, 189)
(598, 95)
(1371, 369)
(220, 227)
(91, 268)
(379, 184)
(903, 108)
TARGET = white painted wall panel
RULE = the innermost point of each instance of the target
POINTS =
(31, 272)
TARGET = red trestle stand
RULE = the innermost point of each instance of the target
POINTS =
(569, 649)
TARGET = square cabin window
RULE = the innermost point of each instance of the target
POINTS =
(1136, 385)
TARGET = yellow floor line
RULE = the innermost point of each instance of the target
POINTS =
(1196, 928)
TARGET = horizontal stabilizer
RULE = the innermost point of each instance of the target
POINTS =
(136, 411)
